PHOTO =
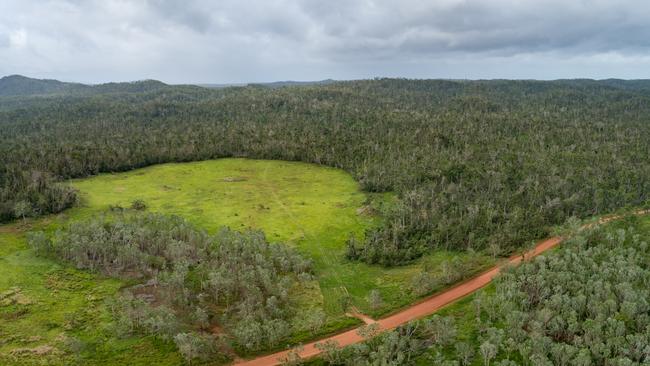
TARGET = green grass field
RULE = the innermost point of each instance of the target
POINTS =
(311, 207)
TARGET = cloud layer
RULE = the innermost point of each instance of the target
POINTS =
(238, 41)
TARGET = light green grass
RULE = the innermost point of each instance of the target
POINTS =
(311, 207)
(57, 304)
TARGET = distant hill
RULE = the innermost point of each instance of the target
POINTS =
(639, 84)
(219, 86)
(130, 87)
(18, 85)
(280, 84)
(21, 85)
(273, 84)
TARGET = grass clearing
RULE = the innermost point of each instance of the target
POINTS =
(311, 207)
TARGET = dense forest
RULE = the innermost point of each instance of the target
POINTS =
(475, 164)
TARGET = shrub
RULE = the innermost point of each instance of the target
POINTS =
(195, 346)
(138, 205)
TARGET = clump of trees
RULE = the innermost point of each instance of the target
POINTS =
(401, 346)
(476, 165)
(32, 193)
(194, 281)
(586, 305)
(432, 278)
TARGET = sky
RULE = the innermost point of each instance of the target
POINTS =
(238, 41)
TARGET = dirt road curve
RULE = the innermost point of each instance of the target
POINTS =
(419, 310)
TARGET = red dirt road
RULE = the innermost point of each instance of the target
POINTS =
(419, 310)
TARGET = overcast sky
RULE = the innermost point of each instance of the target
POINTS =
(229, 41)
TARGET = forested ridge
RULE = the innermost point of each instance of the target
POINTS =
(476, 164)
(21, 86)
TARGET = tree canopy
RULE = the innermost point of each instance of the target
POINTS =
(475, 164)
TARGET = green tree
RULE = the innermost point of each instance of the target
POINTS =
(22, 209)
(375, 300)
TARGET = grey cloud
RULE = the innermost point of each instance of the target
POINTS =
(257, 40)
(187, 13)
(4, 40)
(506, 27)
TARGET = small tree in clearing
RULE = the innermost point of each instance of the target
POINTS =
(139, 205)
(375, 300)
(331, 352)
(293, 357)
(194, 346)
(22, 209)
(369, 331)
(465, 353)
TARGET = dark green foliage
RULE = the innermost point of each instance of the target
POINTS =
(195, 280)
(480, 165)
(447, 273)
(32, 193)
(586, 304)
(192, 345)
(394, 348)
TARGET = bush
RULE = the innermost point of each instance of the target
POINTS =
(138, 205)
(195, 346)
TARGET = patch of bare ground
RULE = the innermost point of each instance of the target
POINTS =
(234, 179)
(366, 210)
(14, 296)
(41, 350)
(10, 229)
(147, 292)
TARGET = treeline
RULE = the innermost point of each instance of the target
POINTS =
(476, 165)
(32, 193)
(191, 282)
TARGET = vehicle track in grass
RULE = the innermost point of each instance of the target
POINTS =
(424, 307)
